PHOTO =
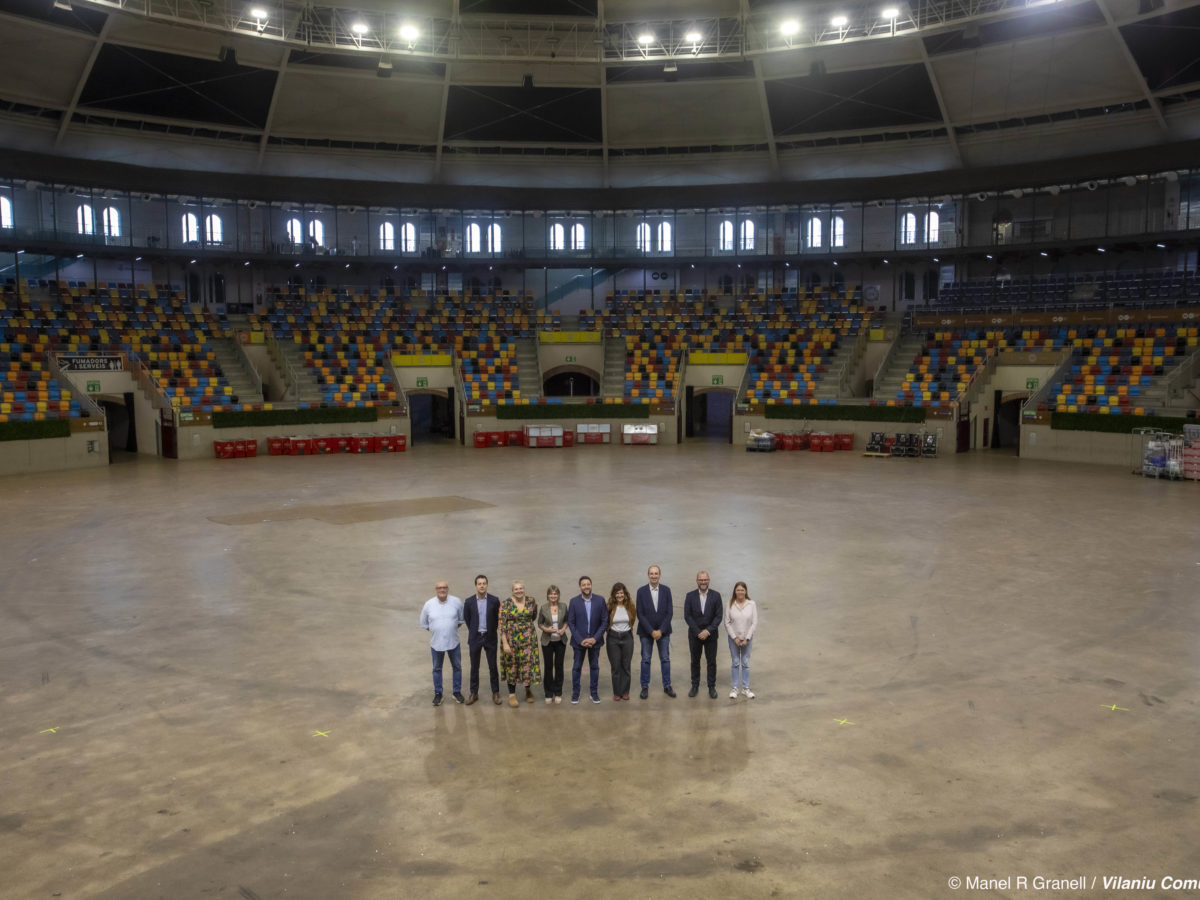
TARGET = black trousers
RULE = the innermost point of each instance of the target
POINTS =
(709, 647)
(553, 655)
(620, 659)
(490, 650)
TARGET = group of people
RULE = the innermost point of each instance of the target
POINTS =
(519, 625)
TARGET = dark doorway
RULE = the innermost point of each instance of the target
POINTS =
(1006, 434)
(167, 434)
(570, 384)
(710, 415)
(431, 417)
(963, 429)
(122, 426)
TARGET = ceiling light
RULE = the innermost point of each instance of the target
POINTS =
(988, 255)
(359, 28)
(258, 13)
(790, 27)
(1044, 253)
(645, 38)
(1099, 249)
(838, 21)
(693, 37)
(891, 13)
(1161, 246)
(409, 33)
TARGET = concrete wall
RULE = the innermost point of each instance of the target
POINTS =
(85, 449)
(440, 378)
(1040, 442)
(1007, 378)
(589, 357)
(701, 376)
(146, 417)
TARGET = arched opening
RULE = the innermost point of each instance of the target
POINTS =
(570, 381)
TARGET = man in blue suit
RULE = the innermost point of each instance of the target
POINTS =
(481, 613)
(702, 610)
(587, 617)
(654, 611)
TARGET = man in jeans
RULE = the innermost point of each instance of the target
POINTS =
(440, 616)
(654, 611)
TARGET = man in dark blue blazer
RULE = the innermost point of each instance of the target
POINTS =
(702, 611)
(481, 613)
(654, 611)
(587, 617)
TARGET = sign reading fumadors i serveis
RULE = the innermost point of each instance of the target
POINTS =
(93, 362)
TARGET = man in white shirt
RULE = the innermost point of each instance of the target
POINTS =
(440, 616)
(654, 611)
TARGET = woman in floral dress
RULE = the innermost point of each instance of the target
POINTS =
(519, 657)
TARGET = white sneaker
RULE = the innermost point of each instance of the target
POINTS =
(749, 693)
(733, 694)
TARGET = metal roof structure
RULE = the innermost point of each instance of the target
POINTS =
(596, 94)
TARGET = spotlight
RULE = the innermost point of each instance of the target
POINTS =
(789, 28)
(693, 37)
(359, 28)
(891, 13)
(839, 22)
(409, 33)
(258, 13)
(646, 38)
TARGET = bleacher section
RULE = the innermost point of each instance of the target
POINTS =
(150, 323)
(1085, 289)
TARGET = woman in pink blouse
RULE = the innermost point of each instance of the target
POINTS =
(741, 618)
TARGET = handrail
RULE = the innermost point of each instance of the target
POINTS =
(888, 359)
(248, 365)
(850, 364)
(86, 403)
(1182, 375)
(147, 383)
(291, 382)
(1042, 394)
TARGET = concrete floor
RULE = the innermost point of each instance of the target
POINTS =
(164, 675)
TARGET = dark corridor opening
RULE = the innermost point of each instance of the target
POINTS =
(431, 417)
(570, 384)
(710, 415)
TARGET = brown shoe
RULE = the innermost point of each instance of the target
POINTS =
(473, 698)
(496, 698)
(528, 694)
(512, 701)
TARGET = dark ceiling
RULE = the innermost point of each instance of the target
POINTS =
(841, 101)
(549, 115)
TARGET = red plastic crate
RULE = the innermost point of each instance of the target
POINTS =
(321, 445)
(843, 441)
(515, 438)
(827, 445)
(277, 446)
(362, 444)
(481, 439)
(341, 444)
(300, 447)
(224, 449)
(568, 438)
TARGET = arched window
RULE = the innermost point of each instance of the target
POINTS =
(408, 237)
(931, 227)
(558, 237)
(493, 235)
(746, 235)
(295, 231)
(812, 233)
(316, 231)
(387, 236)
(642, 237)
(214, 230)
(578, 237)
(664, 237)
(725, 236)
(191, 228)
(85, 220)
(5, 213)
(908, 228)
(110, 220)
(472, 241)
(837, 232)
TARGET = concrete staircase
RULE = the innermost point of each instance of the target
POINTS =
(529, 370)
(307, 384)
(233, 364)
(889, 382)
(827, 387)
(613, 384)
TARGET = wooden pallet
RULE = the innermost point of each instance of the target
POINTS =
(878, 455)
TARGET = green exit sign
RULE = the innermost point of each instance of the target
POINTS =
(1031, 384)
(718, 379)
(423, 382)
(571, 359)
(93, 387)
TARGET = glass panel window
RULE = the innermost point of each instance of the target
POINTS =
(931, 227)
(5, 213)
(387, 236)
(214, 229)
(295, 231)
(812, 235)
(472, 242)
(493, 234)
(578, 237)
(725, 236)
(746, 235)
(191, 228)
(665, 244)
(642, 237)
(408, 237)
(316, 231)
(85, 220)
(557, 237)
(837, 232)
(908, 228)
(111, 221)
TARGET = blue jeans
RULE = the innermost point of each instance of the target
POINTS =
(455, 663)
(664, 658)
(741, 660)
